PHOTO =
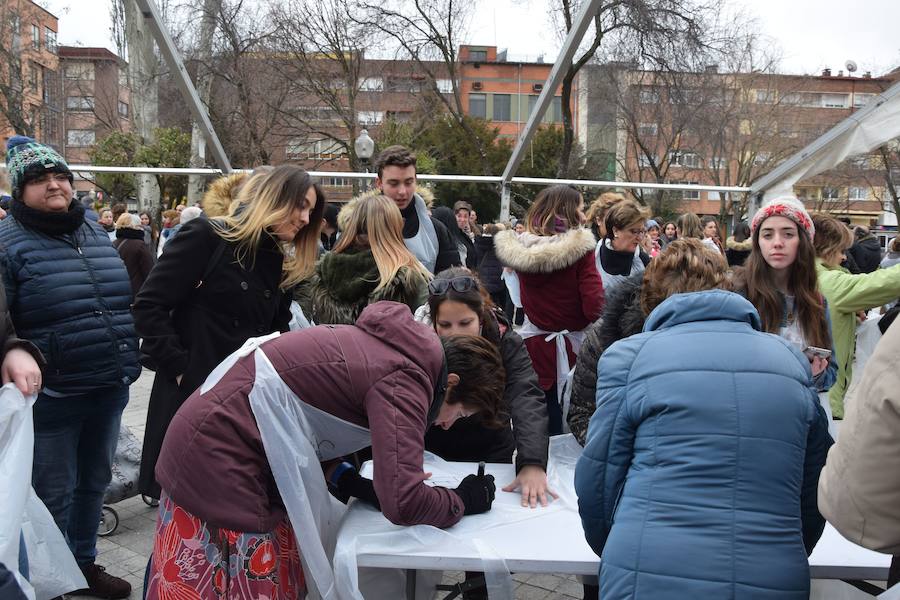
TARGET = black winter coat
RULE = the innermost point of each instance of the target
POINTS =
(622, 317)
(136, 256)
(866, 254)
(192, 314)
(447, 255)
(523, 400)
(490, 270)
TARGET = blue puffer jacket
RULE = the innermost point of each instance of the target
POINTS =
(699, 475)
(70, 295)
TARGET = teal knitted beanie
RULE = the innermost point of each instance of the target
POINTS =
(27, 159)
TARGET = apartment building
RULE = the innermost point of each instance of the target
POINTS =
(727, 129)
(97, 101)
(503, 90)
(29, 69)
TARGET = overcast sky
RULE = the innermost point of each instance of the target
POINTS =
(812, 34)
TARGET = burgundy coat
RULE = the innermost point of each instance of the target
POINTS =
(379, 374)
(560, 287)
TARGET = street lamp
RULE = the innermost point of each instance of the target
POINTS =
(364, 147)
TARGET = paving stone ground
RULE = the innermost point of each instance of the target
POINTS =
(124, 553)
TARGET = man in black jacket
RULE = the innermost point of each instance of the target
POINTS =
(426, 238)
(866, 251)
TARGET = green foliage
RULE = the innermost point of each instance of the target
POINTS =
(171, 147)
(397, 133)
(117, 149)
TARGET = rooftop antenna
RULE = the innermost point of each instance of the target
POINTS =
(851, 66)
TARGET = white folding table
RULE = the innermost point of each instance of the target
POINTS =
(540, 540)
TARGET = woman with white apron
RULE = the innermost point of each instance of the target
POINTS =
(560, 289)
(246, 460)
(619, 253)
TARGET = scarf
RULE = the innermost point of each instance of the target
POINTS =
(50, 223)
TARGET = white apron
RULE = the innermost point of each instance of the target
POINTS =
(564, 371)
(423, 245)
(297, 437)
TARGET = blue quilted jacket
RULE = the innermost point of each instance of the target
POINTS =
(70, 295)
(699, 473)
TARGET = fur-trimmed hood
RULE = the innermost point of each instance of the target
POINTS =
(221, 193)
(349, 207)
(745, 246)
(530, 253)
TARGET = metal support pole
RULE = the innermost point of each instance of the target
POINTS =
(173, 60)
(563, 61)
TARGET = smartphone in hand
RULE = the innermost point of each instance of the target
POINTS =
(811, 351)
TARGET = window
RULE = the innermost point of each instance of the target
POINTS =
(860, 100)
(371, 84)
(33, 76)
(301, 149)
(123, 109)
(690, 194)
(649, 96)
(14, 23)
(478, 106)
(554, 114)
(478, 55)
(762, 158)
(50, 39)
(80, 103)
(646, 130)
(123, 78)
(858, 193)
(532, 102)
(860, 161)
(335, 181)
(35, 37)
(690, 160)
(370, 117)
(80, 137)
(717, 163)
(765, 96)
(80, 70)
(835, 100)
(445, 86)
(831, 193)
(645, 161)
(501, 107)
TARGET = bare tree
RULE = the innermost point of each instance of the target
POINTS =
(429, 32)
(13, 74)
(651, 29)
(323, 49)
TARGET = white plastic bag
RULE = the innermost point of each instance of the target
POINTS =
(298, 319)
(52, 568)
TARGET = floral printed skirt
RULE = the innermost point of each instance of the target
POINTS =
(194, 560)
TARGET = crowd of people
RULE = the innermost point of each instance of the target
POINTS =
(701, 376)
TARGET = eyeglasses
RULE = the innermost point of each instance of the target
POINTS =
(638, 232)
(439, 287)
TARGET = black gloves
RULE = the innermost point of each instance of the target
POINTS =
(477, 493)
(351, 483)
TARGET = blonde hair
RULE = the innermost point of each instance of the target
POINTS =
(376, 222)
(128, 221)
(686, 265)
(265, 201)
(623, 214)
(605, 201)
(688, 226)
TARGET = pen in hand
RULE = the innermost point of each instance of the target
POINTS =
(481, 469)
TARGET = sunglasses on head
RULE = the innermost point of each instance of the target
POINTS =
(439, 287)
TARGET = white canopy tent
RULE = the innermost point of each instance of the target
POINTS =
(863, 131)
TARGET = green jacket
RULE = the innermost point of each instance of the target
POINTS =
(344, 284)
(848, 294)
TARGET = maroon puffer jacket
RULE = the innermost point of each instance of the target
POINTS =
(379, 374)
